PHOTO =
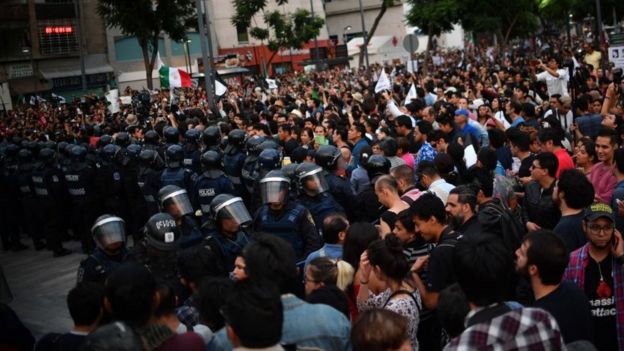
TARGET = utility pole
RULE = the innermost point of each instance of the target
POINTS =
(204, 34)
(316, 48)
(365, 34)
(83, 75)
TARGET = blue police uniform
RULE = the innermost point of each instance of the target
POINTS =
(98, 266)
(227, 248)
(233, 165)
(80, 181)
(320, 206)
(207, 186)
(179, 176)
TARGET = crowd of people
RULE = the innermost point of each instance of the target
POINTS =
(477, 206)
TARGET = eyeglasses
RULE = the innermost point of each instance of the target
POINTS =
(533, 166)
(595, 228)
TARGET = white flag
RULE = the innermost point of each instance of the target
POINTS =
(383, 83)
(272, 83)
(113, 98)
(411, 94)
(220, 89)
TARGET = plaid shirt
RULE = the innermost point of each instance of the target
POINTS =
(575, 272)
(521, 329)
(188, 313)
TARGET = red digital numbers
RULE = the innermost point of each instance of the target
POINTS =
(59, 30)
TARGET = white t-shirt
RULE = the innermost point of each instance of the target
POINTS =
(556, 85)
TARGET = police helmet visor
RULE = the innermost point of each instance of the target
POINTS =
(177, 204)
(314, 182)
(273, 190)
(235, 209)
(109, 231)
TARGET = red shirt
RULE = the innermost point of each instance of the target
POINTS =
(565, 161)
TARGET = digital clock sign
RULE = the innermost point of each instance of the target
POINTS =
(58, 30)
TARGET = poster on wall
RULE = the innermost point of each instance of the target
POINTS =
(616, 56)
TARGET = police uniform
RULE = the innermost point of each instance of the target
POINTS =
(227, 248)
(98, 266)
(177, 176)
(233, 165)
(80, 181)
(207, 186)
(320, 206)
(340, 189)
(28, 203)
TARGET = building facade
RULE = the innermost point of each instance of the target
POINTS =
(41, 42)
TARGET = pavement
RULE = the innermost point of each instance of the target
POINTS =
(40, 284)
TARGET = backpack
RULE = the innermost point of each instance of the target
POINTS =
(497, 219)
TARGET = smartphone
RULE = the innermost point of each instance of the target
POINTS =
(321, 140)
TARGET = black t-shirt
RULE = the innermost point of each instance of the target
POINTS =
(570, 230)
(575, 322)
(289, 146)
(603, 305)
(440, 272)
(390, 218)
(65, 342)
(525, 166)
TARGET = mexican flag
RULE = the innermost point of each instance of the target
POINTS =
(171, 77)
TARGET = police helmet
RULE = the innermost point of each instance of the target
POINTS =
(109, 230)
(61, 147)
(268, 144)
(175, 201)
(68, 149)
(377, 165)
(236, 138)
(78, 153)
(252, 144)
(12, 150)
(274, 187)
(150, 158)
(192, 136)
(226, 206)
(311, 178)
(270, 159)
(327, 156)
(32, 146)
(211, 160)
(111, 153)
(211, 136)
(25, 155)
(104, 140)
(161, 232)
(133, 151)
(113, 336)
(50, 144)
(122, 139)
(151, 137)
(47, 155)
(172, 135)
(174, 156)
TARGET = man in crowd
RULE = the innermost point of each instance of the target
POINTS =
(573, 192)
(538, 208)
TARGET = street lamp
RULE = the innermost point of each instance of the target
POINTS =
(187, 57)
(344, 33)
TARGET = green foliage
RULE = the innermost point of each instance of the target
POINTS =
(279, 30)
(507, 18)
(437, 16)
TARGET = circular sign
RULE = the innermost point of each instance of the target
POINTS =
(410, 42)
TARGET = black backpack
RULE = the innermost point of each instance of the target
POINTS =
(497, 219)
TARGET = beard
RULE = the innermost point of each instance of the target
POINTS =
(456, 221)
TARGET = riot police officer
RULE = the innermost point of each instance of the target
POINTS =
(211, 137)
(27, 197)
(227, 238)
(210, 183)
(109, 234)
(137, 207)
(249, 172)
(174, 173)
(148, 178)
(110, 183)
(172, 136)
(191, 151)
(287, 219)
(49, 189)
(314, 192)
(175, 201)
(151, 141)
(9, 212)
(330, 158)
(233, 159)
(80, 181)
(370, 208)
(158, 251)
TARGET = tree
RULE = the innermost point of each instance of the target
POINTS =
(280, 30)
(384, 7)
(147, 20)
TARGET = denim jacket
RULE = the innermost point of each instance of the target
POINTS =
(305, 324)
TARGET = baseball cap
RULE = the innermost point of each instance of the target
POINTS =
(598, 210)
(462, 111)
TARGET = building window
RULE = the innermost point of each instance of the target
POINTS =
(58, 37)
(241, 34)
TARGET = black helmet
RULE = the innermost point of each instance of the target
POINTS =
(211, 160)
(252, 144)
(174, 200)
(12, 150)
(113, 336)
(25, 155)
(161, 232)
(377, 165)
(47, 155)
(212, 137)
(108, 230)
(67, 150)
(151, 137)
(236, 138)
(274, 187)
(104, 140)
(61, 147)
(78, 153)
(133, 151)
(192, 136)
(268, 144)
(172, 135)
(111, 153)
(270, 159)
(226, 206)
(151, 158)
(49, 144)
(32, 146)
(311, 178)
(327, 156)
(174, 156)
(122, 139)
